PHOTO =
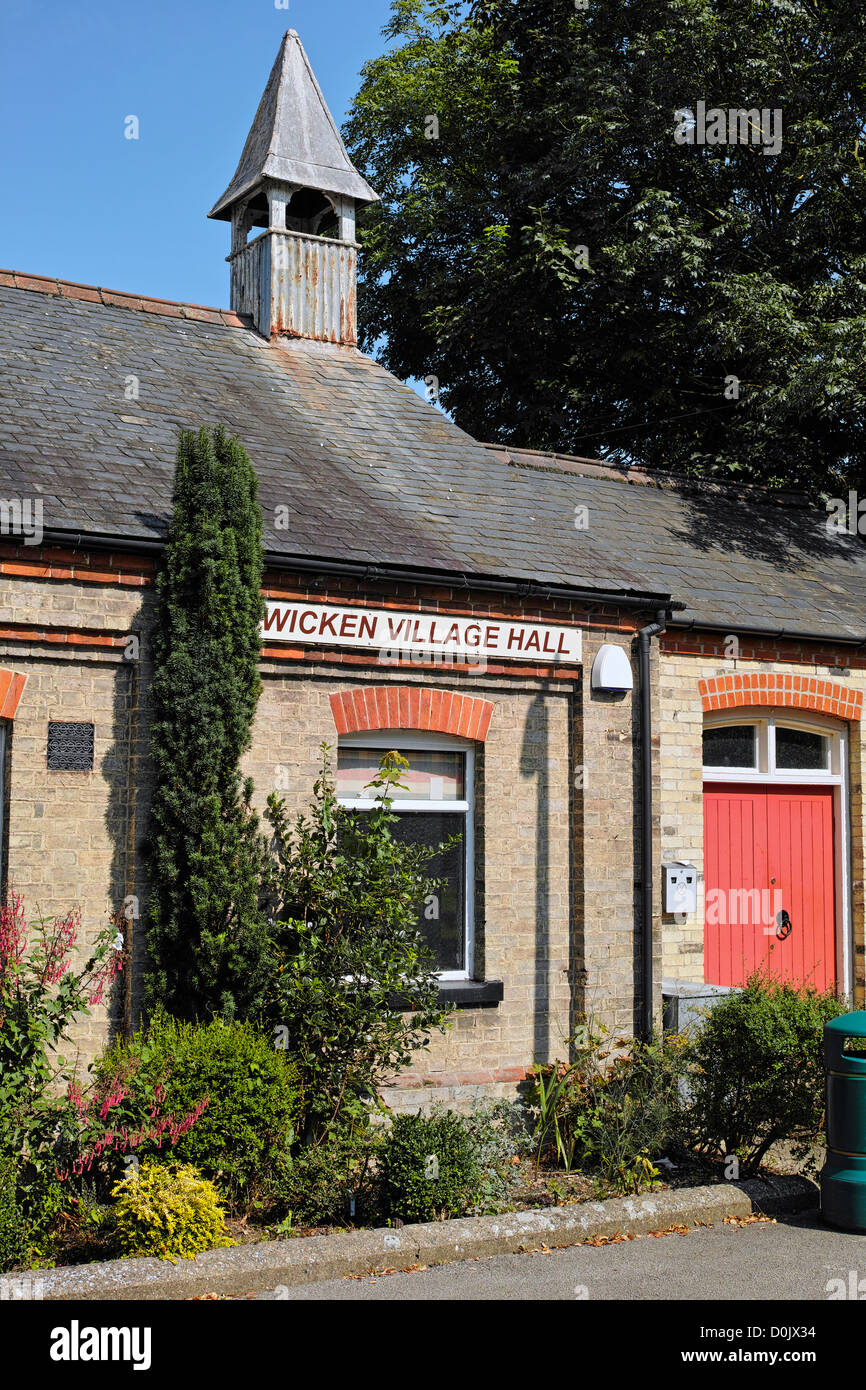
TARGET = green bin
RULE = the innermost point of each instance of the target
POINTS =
(843, 1178)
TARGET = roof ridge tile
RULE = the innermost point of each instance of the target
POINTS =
(120, 299)
(556, 462)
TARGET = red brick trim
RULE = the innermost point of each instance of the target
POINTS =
(11, 690)
(83, 565)
(119, 299)
(795, 692)
(321, 656)
(74, 637)
(410, 707)
(791, 651)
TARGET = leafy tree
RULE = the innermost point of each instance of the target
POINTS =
(345, 896)
(506, 135)
(207, 936)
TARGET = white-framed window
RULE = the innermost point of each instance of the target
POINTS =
(775, 745)
(436, 806)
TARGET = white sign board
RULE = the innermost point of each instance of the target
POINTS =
(319, 624)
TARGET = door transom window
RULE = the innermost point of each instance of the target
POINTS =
(771, 747)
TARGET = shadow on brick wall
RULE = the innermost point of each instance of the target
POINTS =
(124, 767)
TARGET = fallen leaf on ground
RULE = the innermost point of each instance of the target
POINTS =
(749, 1220)
(616, 1239)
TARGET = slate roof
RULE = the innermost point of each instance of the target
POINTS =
(748, 558)
(293, 137)
(371, 473)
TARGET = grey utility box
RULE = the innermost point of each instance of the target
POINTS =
(686, 1003)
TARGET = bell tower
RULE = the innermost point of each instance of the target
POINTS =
(297, 276)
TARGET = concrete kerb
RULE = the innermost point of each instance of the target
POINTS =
(271, 1264)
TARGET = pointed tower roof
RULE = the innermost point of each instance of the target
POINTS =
(293, 137)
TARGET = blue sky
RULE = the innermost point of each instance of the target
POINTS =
(80, 201)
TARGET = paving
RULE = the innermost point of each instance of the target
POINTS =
(792, 1257)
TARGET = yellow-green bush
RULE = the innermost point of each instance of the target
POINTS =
(168, 1210)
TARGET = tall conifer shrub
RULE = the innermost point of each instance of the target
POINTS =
(207, 937)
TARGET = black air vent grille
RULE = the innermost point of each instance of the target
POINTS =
(70, 747)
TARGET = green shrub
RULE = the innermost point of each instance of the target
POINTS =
(758, 1070)
(345, 895)
(169, 1211)
(335, 1183)
(13, 1231)
(613, 1109)
(498, 1133)
(248, 1126)
(344, 1180)
(42, 1203)
(431, 1168)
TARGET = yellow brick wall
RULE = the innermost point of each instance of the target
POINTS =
(555, 825)
(69, 837)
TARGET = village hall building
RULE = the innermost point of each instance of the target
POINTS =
(636, 699)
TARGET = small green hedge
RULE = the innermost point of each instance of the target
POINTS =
(757, 1069)
(245, 1133)
(430, 1166)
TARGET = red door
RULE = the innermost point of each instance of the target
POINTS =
(770, 884)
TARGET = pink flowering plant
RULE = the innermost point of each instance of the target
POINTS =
(66, 1133)
(115, 1119)
(41, 992)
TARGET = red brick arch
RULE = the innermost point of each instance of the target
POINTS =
(796, 692)
(11, 689)
(410, 707)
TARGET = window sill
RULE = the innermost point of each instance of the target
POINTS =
(466, 994)
(471, 993)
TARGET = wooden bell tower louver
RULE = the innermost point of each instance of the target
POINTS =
(296, 182)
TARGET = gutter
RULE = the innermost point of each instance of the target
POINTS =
(647, 876)
(80, 540)
(525, 588)
(632, 598)
(773, 634)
